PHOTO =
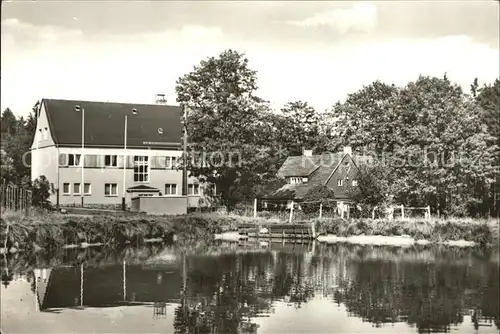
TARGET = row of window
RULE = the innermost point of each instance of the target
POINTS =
(340, 182)
(76, 190)
(141, 164)
(111, 189)
(171, 189)
(111, 160)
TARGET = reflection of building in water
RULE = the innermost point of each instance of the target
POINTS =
(41, 278)
(111, 285)
(160, 310)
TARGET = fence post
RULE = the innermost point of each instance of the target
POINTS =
(428, 212)
(320, 210)
(255, 208)
(313, 230)
(402, 211)
(291, 213)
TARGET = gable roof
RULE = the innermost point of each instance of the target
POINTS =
(104, 124)
(318, 168)
(306, 165)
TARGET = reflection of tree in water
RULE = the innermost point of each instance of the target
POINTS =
(428, 296)
(6, 277)
(225, 293)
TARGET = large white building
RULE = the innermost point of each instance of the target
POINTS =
(128, 150)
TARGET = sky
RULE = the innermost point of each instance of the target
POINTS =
(128, 51)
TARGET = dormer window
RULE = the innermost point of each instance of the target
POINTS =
(298, 179)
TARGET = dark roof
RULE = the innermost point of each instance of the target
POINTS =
(289, 191)
(317, 168)
(299, 166)
(142, 188)
(305, 165)
(104, 124)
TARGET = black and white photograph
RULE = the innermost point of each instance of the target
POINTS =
(263, 167)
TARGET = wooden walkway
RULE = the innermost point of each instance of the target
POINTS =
(278, 231)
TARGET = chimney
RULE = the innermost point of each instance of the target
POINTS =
(348, 150)
(307, 153)
(160, 99)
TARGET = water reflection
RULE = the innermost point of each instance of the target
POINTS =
(228, 292)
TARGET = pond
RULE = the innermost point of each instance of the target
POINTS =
(253, 288)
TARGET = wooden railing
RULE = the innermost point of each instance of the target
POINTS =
(15, 198)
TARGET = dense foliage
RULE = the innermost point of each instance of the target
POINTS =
(316, 196)
(434, 144)
(16, 136)
(437, 143)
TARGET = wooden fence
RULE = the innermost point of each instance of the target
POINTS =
(15, 198)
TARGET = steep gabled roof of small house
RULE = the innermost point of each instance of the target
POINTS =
(318, 170)
(306, 165)
(152, 125)
(299, 166)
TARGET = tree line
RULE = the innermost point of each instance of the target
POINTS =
(427, 143)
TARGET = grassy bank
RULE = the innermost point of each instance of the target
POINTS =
(48, 230)
(481, 232)
(51, 231)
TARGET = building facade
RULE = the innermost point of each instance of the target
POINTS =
(337, 171)
(128, 150)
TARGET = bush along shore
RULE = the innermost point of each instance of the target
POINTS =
(452, 231)
(51, 231)
(459, 232)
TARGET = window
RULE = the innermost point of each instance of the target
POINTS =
(66, 189)
(145, 195)
(193, 189)
(110, 189)
(296, 180)
(76, 188)
(171, 162)
(141, 169)
(354, 183)
(111, 160)
(170, 189)
(339, 182)
(86, 188)
(74, 159)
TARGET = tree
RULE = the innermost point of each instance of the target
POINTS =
(9, 124)
(429, 135)
(297, 127)
(315, 196)
(365, 121)
(41, 192)
(227, 137)
(373, 187)
(16, 137)
(488, 99)
(7, 170)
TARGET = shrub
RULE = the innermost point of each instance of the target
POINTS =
(319, 194)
